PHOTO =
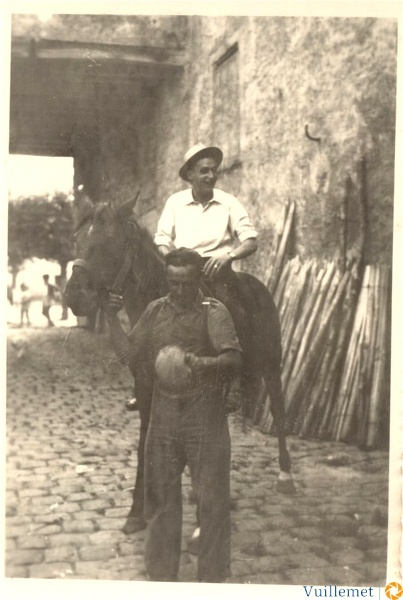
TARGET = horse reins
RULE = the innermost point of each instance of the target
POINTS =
(121, 276)
(128, 264)
(123, 272)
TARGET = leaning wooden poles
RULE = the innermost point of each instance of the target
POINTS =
(335, 345)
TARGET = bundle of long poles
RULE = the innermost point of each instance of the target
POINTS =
(335, 335)
(364, 385)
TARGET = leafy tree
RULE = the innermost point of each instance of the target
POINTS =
(42, 227)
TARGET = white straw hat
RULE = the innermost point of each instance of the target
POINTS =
(199, 151)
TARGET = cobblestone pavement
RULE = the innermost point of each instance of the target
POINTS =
(70, 468)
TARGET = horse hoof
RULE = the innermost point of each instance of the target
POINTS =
(134, 524)
(286, 486)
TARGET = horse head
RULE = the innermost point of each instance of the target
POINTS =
(105, 240)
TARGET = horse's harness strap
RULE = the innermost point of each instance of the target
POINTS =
(80, 262)
(121, 276)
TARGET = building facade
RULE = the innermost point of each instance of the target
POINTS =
(303, 107)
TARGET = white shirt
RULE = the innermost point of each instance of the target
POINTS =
(211, 230)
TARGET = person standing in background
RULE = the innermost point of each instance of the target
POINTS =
(48, 299)
(25, 302)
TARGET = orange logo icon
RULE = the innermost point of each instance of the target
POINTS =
(394, 590)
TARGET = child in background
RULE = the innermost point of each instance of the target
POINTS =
(25, 302)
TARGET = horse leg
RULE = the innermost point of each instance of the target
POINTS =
(135, 519)
(132, 405)
(250, 389)
(285, 483)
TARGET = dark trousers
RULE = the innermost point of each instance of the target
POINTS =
(225, 288)
(192, 431)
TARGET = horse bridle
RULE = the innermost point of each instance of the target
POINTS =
(121, 276)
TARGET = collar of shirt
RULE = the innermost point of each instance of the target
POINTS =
(191, 200)
(196, 306)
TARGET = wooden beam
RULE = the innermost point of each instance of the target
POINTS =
(98, 53)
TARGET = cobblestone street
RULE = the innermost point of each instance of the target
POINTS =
(71, 460)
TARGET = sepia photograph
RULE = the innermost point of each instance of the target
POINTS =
(201, 214)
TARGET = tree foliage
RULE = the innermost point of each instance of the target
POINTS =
(42, 227)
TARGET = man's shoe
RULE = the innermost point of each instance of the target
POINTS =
(133, 525)
(132, 405)
(170, 580)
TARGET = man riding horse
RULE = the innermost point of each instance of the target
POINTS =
(216, 225)
(213, 223)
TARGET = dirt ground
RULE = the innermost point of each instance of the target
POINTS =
(71, 458)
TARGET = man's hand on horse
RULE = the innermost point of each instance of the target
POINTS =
(112, 303)
(214, 265)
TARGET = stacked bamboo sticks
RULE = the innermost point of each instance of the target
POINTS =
(335, 336)
(363, 389)
(280, 247)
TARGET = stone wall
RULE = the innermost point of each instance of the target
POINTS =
(109, 106)
(170, 135)
(336, 76)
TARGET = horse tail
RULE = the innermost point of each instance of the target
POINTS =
(264, 320)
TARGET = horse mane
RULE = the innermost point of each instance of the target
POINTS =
(149, 267)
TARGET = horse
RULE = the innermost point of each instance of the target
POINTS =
(115, 253)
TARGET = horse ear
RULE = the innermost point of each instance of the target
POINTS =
(85, 205)
(84, 208)
(126, 209)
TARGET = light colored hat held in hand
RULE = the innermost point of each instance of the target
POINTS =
(172, 372)
(196, 152)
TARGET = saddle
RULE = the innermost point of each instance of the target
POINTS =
(240, 303)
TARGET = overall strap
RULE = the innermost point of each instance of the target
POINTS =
(153, 319)
(206, 337)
